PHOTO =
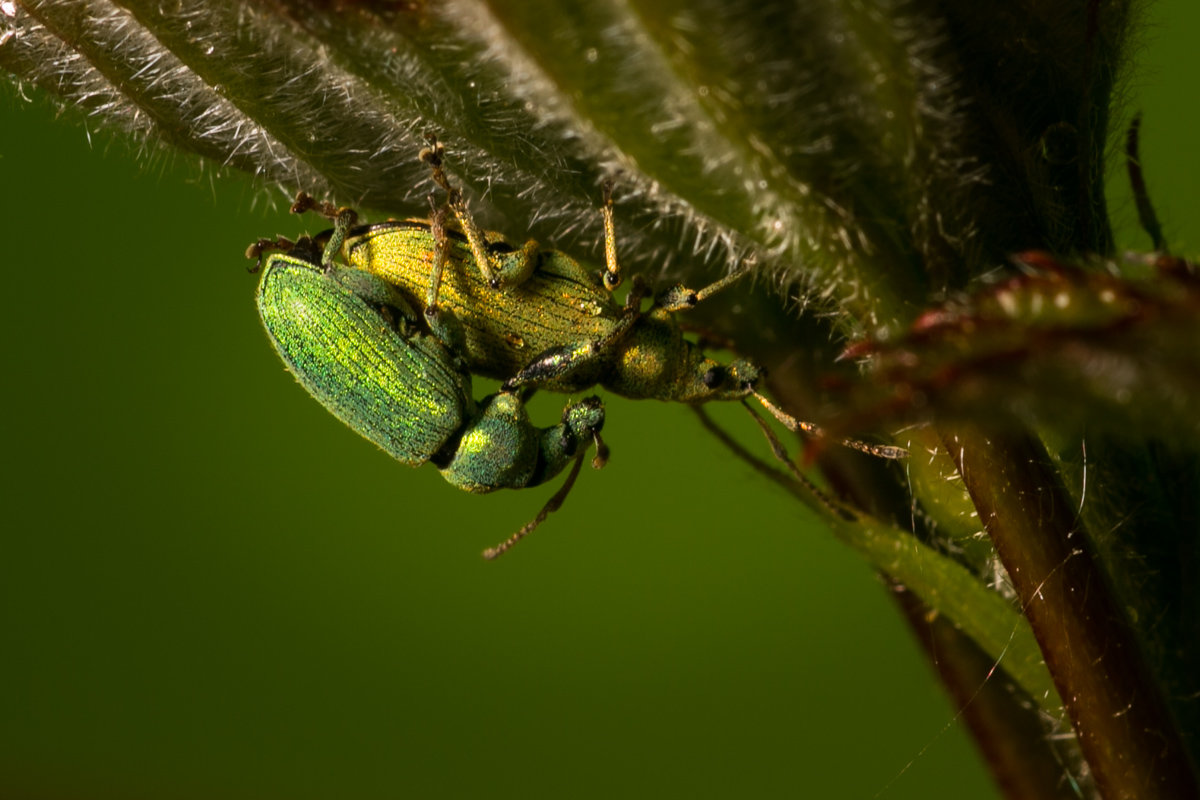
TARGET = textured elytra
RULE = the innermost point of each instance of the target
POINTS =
(400, 394)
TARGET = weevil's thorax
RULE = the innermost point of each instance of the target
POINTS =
(656, 362)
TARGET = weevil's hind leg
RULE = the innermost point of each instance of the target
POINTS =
(343, 218)
(552, 505)
(799, 426)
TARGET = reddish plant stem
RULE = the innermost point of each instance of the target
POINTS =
(1124, 727)
(1006, 724)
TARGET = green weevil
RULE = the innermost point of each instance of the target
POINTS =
(536, 318)
(355, 344)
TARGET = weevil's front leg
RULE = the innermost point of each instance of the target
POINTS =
(500, 269)
(343, 218)
(812, 429)
(379, 294)
(261, 247)
(558, 446)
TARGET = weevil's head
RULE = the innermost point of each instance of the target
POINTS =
(656, 362)
(731, 381)
(583, 419)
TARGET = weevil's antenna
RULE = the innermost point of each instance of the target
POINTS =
(552, 505)
(799, 426)
(781, 455)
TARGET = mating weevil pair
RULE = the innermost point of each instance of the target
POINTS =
(340, 311)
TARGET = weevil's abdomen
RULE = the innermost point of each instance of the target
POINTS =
(402, 393)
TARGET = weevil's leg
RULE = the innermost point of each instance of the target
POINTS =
(552, 505)
(580, 421)
(612, 273)
(637, 293)
(343, 218)
(1137, 182)
(797, 426)
(792, 481)
(444, 325)
(449, 331)
(681, 298)
(260, 248)
(516, 265)
(437, 227)
(558, 362)
(377, 292)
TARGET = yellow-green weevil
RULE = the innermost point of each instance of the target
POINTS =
(536, 318)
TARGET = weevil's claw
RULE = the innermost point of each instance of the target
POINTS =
(432, 155)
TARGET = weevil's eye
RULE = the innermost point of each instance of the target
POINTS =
(500, 247)
(714, 377)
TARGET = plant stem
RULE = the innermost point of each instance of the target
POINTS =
(1006, 724)
(1125, 729)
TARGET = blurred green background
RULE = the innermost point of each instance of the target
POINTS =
(208, 586)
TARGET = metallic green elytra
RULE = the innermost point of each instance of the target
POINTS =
(355, 344)
(402, 393)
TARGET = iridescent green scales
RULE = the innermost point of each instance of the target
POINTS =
(354, 343)
(401, 393)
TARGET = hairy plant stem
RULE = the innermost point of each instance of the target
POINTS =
(1007, 725)
(1125, 729)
